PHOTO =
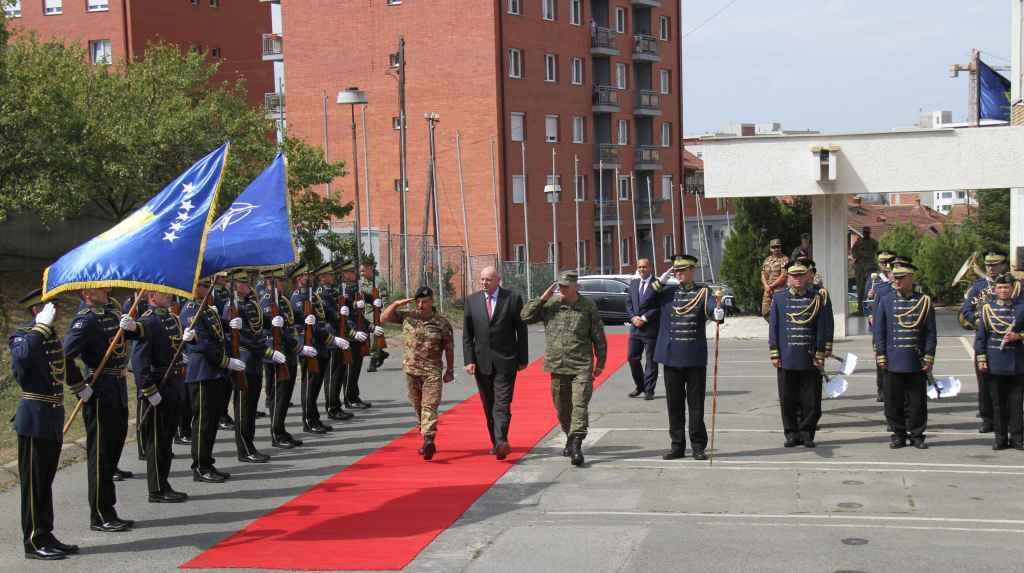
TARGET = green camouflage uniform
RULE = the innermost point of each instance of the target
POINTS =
(425, 343)
(574, 334)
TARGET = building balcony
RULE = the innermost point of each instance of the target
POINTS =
(606, 212)
(273, 47)
(606, 99)
(647, 158)
(602, 43)
(647, 212)
(648, 103)
(273, 105)
(649, 3)
(645, 48)
(607, 156)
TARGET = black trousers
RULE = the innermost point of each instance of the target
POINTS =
(158, 432)
(311, 385)
(985, 409)
(906, 403)
(246, 403)
(1007, 396)
(352, 378)
(185, 413)
(37, 464)
(106, 427)
(800, 402)
(880, 381)
(282, 393)
(496, 391)
(334, 382)
(139, 441)
(208, 399)
(684, 391)
(645, 372)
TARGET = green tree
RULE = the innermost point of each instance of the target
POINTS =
(757, 221)
(991, 222)
(902, 239)
(938, 258)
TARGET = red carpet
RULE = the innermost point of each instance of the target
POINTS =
(380, 512)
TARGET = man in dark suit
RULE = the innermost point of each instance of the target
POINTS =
(495, 348)
(643, 333)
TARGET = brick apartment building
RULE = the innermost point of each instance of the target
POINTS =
(226, 30)
(595, 80)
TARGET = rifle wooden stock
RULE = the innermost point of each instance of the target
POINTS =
(362, 347)
(379, 342)
(281, 370)
(346, 355)
(236, 340)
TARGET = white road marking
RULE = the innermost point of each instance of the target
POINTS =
(871, 526)
(703, 466)
(819, 432)
(786, 516)
(967, 347)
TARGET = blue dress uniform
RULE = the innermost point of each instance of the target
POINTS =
(106, 412)
(905, 340)
(140, 309)
(878, 287)
(206, 360)
(334, 378)
(40, 369)
(282, 389)
(1003, 366)
(158, 370)
(323, 339)
(355, 370)
(221, 298)
(798, 334)
(682, 349)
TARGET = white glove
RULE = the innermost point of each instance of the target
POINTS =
(360, 304)
(310, 319)
(45, 316)
(719, 314)
(277, 357)
(155, 399)
(308, 352)
(341, 343)
(665, 276)
(360, 337)
(127, 323)
(343, 311)
(235, 323)
(378, 303)
(236, 365)
(378, 331)
(277, 321)
(213, 307)
(188, 335)
(85, 394)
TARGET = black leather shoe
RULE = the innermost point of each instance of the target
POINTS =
(919, 444)
(649, 396)
(898, 443)
(224, 475)
(1017, 446)
(110, 526)
(226, 424)
(429, 449)
(792, 442)
(282, 443)
(327, 428)
(1000, 445)
(699, 455)
(183, 440)
(51, 553)
(985, 428)
(167, 497)
(341, 415)
(261, 414)
(372, 367)
(121, 475)
(501, 450)
(635, 393)
(810, 444)
(69, 549)
(291, 439)
(254, 458)
(674, 454)
(879, 397)
(360, 404)
(314, 429)
(207, 477)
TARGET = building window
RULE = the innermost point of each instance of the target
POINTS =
(518, 189)
(520, 253)
(666, 134)
(575, 12)
(576, 71)
(518, 126)
(551, 252)
(960, 194)
(396, 122)
(668, 245)
(551, 128)
(13, 10)
(666, 187)
(550, 68)
(620, 76)
(623, 132)
(99, 51)
(620, 20)
(581, 188)
(663, 28)
(390, 2)
(97, 6)
(624, 253)
(397, 185)
(215, 52)
(195, 3)
(547, 9)
(513, 7)
(51, 7)
(579, 130)
(515, 63)
(393, 60)
(581, 254)
(214, 3)
(666, 81)
(623, 187)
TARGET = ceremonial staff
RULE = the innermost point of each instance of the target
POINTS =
(103, 363)
(714, 379)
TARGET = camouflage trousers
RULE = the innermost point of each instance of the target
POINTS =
(425, 397)
(571, 396)
(766, 305)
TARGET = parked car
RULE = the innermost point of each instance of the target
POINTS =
(609, 293)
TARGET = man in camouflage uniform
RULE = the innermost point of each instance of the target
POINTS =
(773, 275)
(574, 335)
(864, 264)
(426, 335)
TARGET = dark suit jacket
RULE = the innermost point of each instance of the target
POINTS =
(497, 344)
(633, 308)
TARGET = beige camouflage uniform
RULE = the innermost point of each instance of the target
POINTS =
(425, 343)
(772, 269)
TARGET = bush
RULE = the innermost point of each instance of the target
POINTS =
(938, 258)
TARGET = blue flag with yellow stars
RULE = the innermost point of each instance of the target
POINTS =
(255, 231)
(158, 247)
(993, 94)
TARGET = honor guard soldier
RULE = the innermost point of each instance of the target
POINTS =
(1000, 356)
(816, 285)
(682, 349)
(140, 309)
(905, 339)
(40, 369)
(573, 338)
(221, 298)
(981, 292)
(428, 336)
(285, 322)
(879, 285)
(206, 377)
(773, 275)
(361, 302)
(245, 316)
(159, 377)
(105, 398)
(798, 333)
(367, 282)
(337, 372)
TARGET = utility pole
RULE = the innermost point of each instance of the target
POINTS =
(576, 204)
(432, 119)
(403, 183)
(467, 281)
(526, 223)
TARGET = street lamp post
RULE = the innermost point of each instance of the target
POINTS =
(353, 97)
(553, 192)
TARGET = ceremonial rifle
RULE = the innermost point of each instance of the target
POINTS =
(363, 347)
(346, 355)
(276, 333)
(312, 366)
(379, 343)
(236, 340)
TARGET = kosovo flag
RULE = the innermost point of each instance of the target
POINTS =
(993, 94)
(158, 247)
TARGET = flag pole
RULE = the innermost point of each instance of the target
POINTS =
(618, 219)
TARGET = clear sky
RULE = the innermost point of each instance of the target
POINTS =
(833, 65)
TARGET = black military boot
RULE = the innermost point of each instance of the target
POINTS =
(577, 451)
(567, 450)
(428, 448)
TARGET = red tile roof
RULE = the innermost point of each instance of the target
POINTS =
(880, 217)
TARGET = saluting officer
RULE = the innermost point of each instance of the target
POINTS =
(1000, 356)
(905, 339)
(40, 369)
(682, 348)
(798, 333)
(879, 285)
(105, 409)
(159, 377)
(334, 379)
